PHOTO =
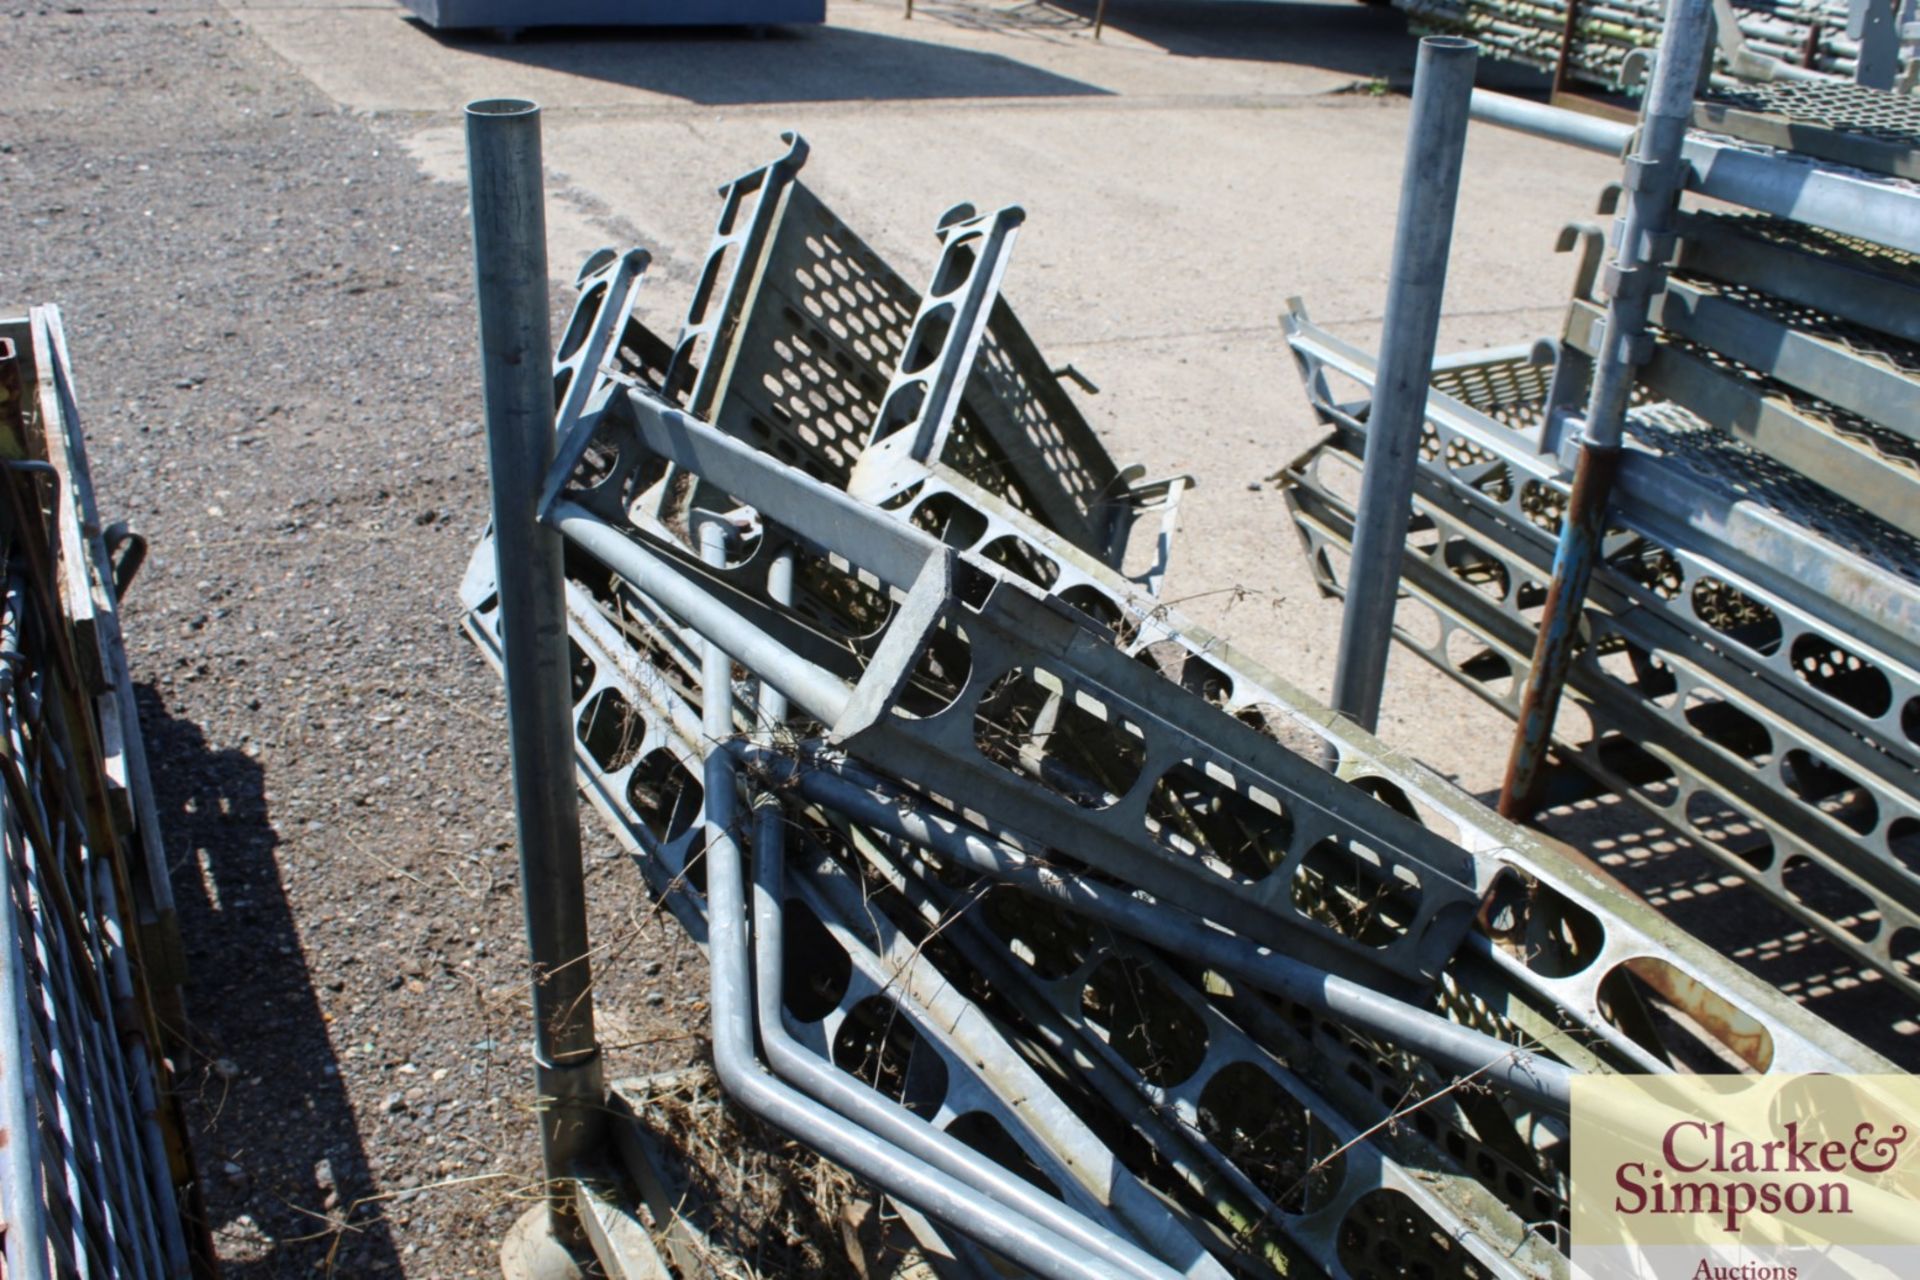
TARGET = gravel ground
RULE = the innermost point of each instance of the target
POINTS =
(269, 311)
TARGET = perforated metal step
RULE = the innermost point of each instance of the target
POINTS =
(1871, 129)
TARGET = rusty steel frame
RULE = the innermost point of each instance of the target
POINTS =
(1655, 175)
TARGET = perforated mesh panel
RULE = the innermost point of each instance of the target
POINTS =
(1822, 118)
(821, 336)
(1816, 242)
(1511, 392)
(1012, 380)
(1888, 447)
(1867, 344)
(1712, 458)
(810, 357)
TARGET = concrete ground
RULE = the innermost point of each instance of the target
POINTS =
(1182, 176)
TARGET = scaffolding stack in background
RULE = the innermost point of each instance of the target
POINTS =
(1601, 44)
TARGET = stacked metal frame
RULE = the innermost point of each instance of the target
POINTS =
(1038, 865)
(1596, 44)
(97, 1176)
(1748, 663)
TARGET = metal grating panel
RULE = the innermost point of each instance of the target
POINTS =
(826, 316)
(1511, 391)
(1725, 466)
(1649, 698)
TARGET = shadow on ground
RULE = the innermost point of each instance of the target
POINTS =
(279, 1148)
(725, 66)
(1365, 39)
(1723, 910)
(1340, 35)
(716, 66)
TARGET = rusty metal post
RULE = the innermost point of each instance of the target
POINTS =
(1429, 187)
(1643, 242)
(510, 280)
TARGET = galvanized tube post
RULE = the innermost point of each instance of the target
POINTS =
(1555, 123)
(510, 281)
(1643, 242)
(1429, 185)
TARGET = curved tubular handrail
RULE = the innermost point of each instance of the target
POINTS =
(800, 1066)
(992, 1225)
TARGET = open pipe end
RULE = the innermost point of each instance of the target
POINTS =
(1450, 44)
(502, 107)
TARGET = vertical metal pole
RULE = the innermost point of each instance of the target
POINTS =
(516, 356)
(1643, 242)
(1429, 186)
